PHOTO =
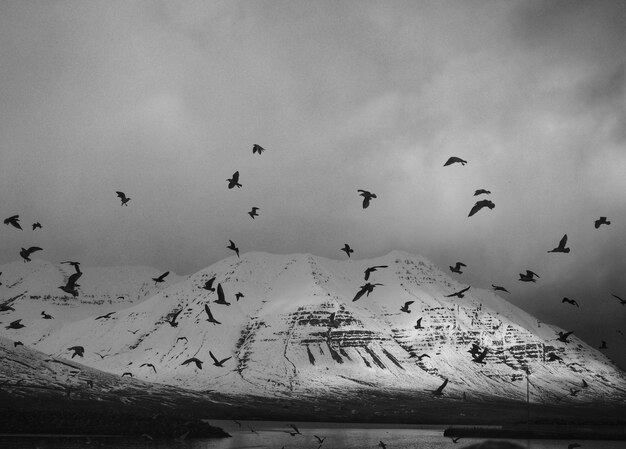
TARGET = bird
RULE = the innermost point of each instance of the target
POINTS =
(479, 205)
(239, 295)
(36, 225)
(15, 324)
(295, 429)
(601, 221)
(346, 248)
(149, 365)
(439, 391)
(480, 358)
(172, 321)
(573, 391)
(134, 332)
(211, 318)
(528, 277)
(6, 308)
(561, 248)
(585, 384)
(455, 440)
(127, 374)
(106, 316)
(370, 270)
(14, 221)
(233, 247)
(76, 265)
(234, 181)
(603, 345)
(418, 324)
(182, 338)
(25, 253)
(405, 307)
(457, 267)
(459, 294)
(46, 316)
(499, 288)
(70, 285)
(257, 149)
(552, 357)
(101, 356)
(481, 192)
(621, 301)
(219, 363)
(208, 285)
(454, 159)
(122, 196)
(570, 301)
(367, 197)
(17, 343)
(253, 212)
(474, 350)
(221, 299)
(420, 357)
(563, 336)
(237, 422)
(320, 440)
(382, 445)
(161, 278)
(367, 288)
(193, 360)
(78, 351)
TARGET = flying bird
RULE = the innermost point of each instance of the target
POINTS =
(528, 277)
(561, 248)
(621, 301)
(234, 181)
(320, 440)
(122, 196)
(6, 308)
(25, 253)
(253, 212)
(420, 357)
(480, 204)
(453, 160)
(127, 374)
(367, 197)
(172, 321)
(455, 439)
(563, 336)
(208, 285)
(370, 270)
(233, 247)
(14, 221)
(257, 149)
(459, 294)
(70, 285)
(36, 225)
(134, 332)
(295, 429)
(106, 317)
(570, 301)
(221, 298)
(474, 350)
(603, 345)
(367, 288)
(382, 445)
(499, 288)
(405, 307)
(182, 338)
(211, 318)
(100, 355)
(439, 391)
(216, 362)
(481, 192)
(17, 343)
(46, 316)
(418, 324)
(346, 248)
(239, 295)
(149, 365)
(193, 360)
(78, 351)
(601, 221)
(76, 265)
(457, 267)
(481, 357)
(161, 278)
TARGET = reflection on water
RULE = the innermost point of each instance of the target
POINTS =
(276, 435)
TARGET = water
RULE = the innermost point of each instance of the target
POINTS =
(274, 435)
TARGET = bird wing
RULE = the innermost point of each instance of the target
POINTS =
(476, 208)
(419, 322)
(236, 177)
(408, 303)
(294, 428)
(223, 360)
(460, 264)
(531, 273)
(360, 293)
(465, 289)
(482, 355)
(213, 357)
(563, 241)
(176, 315)
(442, 386)
(122, 195)
(208, 312)
(71, 281)
(32, 249)
(220, 293)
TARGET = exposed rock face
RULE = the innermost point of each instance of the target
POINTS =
(297, 331)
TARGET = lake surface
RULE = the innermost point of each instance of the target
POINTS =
(275, 435)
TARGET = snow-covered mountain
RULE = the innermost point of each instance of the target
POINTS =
(297, 331)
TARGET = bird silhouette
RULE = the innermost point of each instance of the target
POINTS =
(418, 324)
(193, 360)
(481, 357)
(367, 288)
(161, 278)
(36, 225)
(149, 365)
(106, 316)
(499, 288)
(382, 445)
(15, 324)
(570, 301)
(70, 285)
(601, 221)
(528, 277)
(122, 196)
(561, 248)
(455, 439)
(78, 351)
(237, 422)
(457, 267)
(370, 270)
(17, 343)
(253, 212)
(552, 357)
(76, 265)
(474, 350)
(208, 285)
(233, 247)
(479, 205)
(136, 330)
(211, 318)
(346, 248)
(563, 336)
(482, 192)
(234, 181)
(14, 221)
(603, 345)
(295, 429)
(25, 253)
(221, 298)
(6, 308)
(127, 374)
(459, 294)
(172, 321)
(621, 301)
(585, 384)
(100, 355)
(439, 391)
(239, 295)
(453, 160)
(405, 307)
(182, 338)
(420, 357)
(257, 149)
(367, 197)
(219, 363)
(320, 440)
(46, 316)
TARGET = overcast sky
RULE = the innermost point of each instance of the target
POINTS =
(163, 100)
